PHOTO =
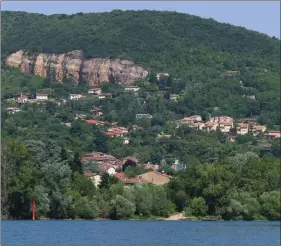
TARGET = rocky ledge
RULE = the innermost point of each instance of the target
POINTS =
(73, 65)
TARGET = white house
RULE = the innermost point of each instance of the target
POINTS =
(174, 97)
(126, 140)
(242, 129)
(105, 95)
(13, 110)
(75, 96)
(41, 97)
(131, 89)
(95, 91)
(22, 99)
(158, 75)
(147, 116)
(111, 171)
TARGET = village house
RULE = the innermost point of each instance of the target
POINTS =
(273, 134)
(130, 181)
(210, 126)
(198, 125)
(177, 166)
(66, 124)
(146, 116)
(95, 122)
(96, 111)
(114, 123)
(13, 110)
(104, 95)
(250, 96)
(135, 127)
(250, 121)
(232, 138)
(242, 128)
(75, 96)
(174, 97)
(126, 140)
(156, 177)
(95, 91)
(80, 116)
(225, 123)
(123, 130)
(22, 99)
(105, 162)
(131, 89)
(114, 134)
(256, 129)
(225, 127)
(162, 135)
(191, 120)
(231, 73)
(41, 97)
(159, 75)
(95, 178)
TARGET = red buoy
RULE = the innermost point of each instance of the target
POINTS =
(33, 209)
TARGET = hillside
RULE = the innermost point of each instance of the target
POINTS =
(189, 122)
(158, 39)
(195, 49)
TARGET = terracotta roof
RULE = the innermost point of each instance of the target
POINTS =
(242, 125)
(95, 122)
(258, 127)
(211, 124)
(114, 133)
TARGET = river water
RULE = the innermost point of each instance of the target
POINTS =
(140, 232)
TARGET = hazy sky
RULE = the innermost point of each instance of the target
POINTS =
(261, 16)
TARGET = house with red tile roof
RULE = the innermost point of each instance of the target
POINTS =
(95, 122)
(242, 128)
(130, 181)
(191, 119)
(273, 134)
(210, 126)
(104, 161)
(156, 178)
(250, 121)
(80, 116)
(256, 129)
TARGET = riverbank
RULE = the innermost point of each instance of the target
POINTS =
(181, 216)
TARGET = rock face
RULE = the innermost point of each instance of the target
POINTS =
(73, 66)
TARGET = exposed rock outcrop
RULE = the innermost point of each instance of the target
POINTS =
(73, 65)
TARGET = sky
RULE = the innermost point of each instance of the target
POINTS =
(261, 16)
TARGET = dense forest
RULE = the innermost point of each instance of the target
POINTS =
(41, 154)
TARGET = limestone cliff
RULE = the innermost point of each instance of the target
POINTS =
(72, 65)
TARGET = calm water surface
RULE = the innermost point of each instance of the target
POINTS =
(140, 232)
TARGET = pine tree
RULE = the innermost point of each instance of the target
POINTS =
(76, 164)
